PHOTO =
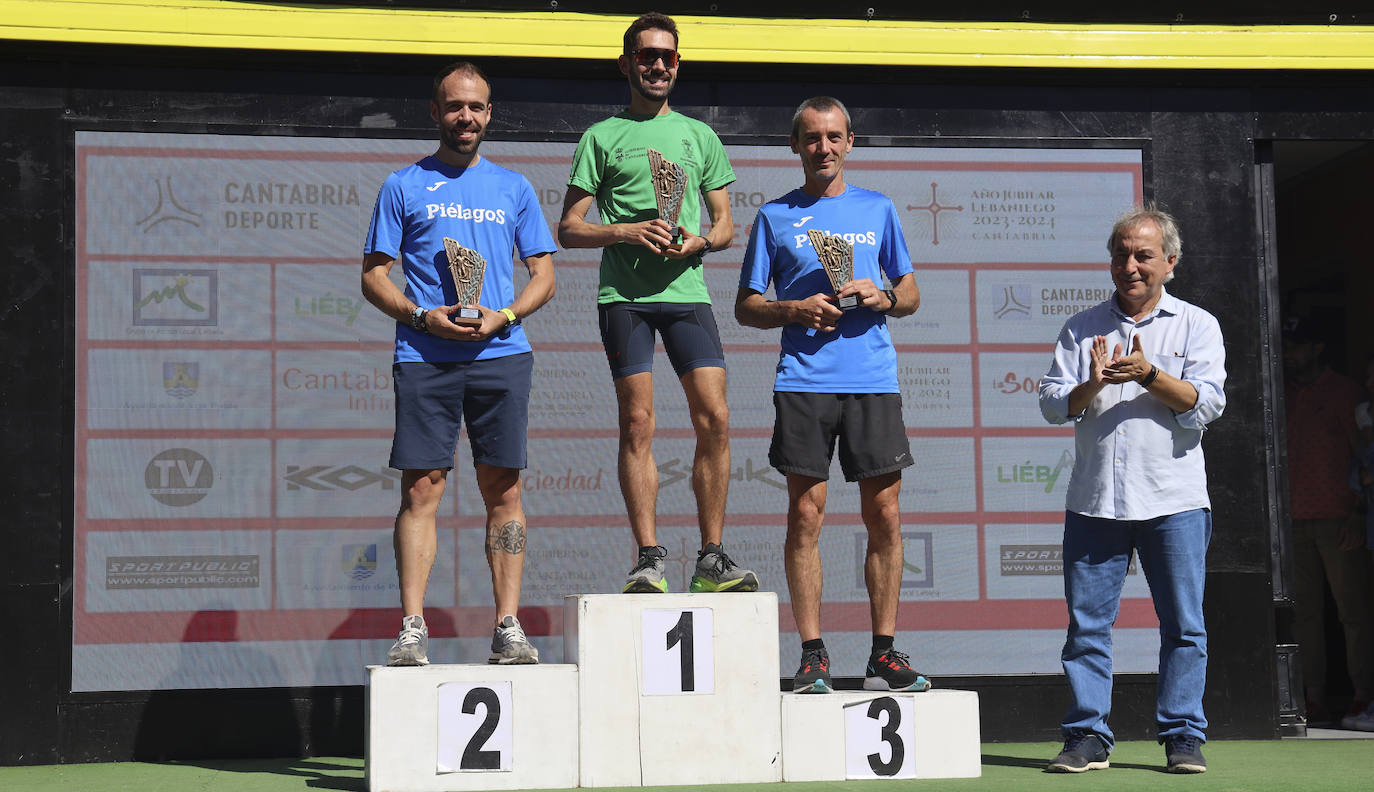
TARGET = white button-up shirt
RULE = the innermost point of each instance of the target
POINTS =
(1134, 457)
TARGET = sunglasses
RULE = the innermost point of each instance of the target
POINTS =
(646, 57)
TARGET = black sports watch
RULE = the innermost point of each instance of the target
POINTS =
(708, 247)
(417, 319)
(891, 298)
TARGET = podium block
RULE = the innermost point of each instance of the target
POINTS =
(676, 688)
(871, 734)
(467, 727)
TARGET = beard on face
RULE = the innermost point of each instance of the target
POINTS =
(450, 140)
(641, 86)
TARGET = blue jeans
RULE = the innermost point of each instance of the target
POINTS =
(1173, 552)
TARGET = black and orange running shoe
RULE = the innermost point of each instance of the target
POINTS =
(891, 670)
(813, 676)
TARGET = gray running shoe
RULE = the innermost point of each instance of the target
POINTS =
(647, 575)
(716, 571)
(509, 646)
(411, 645)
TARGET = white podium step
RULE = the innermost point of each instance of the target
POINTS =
(676, 688)
(854, 735)
(468, 727)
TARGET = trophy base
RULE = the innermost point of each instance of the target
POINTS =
(848, 303)
(467, 317)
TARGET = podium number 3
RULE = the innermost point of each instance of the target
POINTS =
(889, 735)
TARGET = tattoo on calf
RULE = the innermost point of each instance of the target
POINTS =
(508, 538)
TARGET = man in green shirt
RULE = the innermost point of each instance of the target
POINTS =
(652, 282)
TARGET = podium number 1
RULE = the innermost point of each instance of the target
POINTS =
(878, 735)
(475, 731)
(678, 655)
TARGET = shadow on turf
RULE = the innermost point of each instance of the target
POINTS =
(1039, 764)
(317, 774)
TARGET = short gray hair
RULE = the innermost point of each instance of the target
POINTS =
(820, 104)
(1168, 229)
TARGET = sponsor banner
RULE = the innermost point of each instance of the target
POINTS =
(1027, 562)
(1026, 473)
(939, 563)
(176, 478)
(334, 389)
(751, 377)
(237, 664)
(943, 317)
(937, 389)
(562, 561)
(564, 476)
(137, 301)
(177, 570)
(240, 195)
(353, 569)
(1024, 307)
(338, 477)
(321, 302)
(574, 390)
(958, 205)
(1009, 387)
(578, 476)
(570, 317)
(161, 389)
(942, 480)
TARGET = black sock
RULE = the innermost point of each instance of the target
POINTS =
(645, 548)
(881, 643)
(815, 644)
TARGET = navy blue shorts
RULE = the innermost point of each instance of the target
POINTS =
(433, 399)
(688, 331)
(869, 427)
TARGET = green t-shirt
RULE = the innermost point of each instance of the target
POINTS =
(612, 163)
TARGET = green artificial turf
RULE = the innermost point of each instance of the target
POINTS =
(1248, 765)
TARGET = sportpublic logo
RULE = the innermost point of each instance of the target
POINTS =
(175, 298)
(182, 572)
(180, 379)
(178, 477)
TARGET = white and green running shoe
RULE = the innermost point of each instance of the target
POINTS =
(716, 571)
(647, 575)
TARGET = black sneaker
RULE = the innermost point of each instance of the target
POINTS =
(1184, 754)
(1083, 750)
(891, 670)
(813, 676)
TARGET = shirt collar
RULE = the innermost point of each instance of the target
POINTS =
(1168, 304)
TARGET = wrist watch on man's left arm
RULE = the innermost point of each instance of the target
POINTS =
(892, 300)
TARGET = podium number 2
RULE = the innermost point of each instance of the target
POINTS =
(677, 654)
(475, 727)
(474, 758)
(889, 735)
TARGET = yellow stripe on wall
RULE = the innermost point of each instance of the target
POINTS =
(247, 25)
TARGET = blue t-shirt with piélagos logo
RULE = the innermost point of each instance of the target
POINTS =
(858, 356)
(483, 207)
